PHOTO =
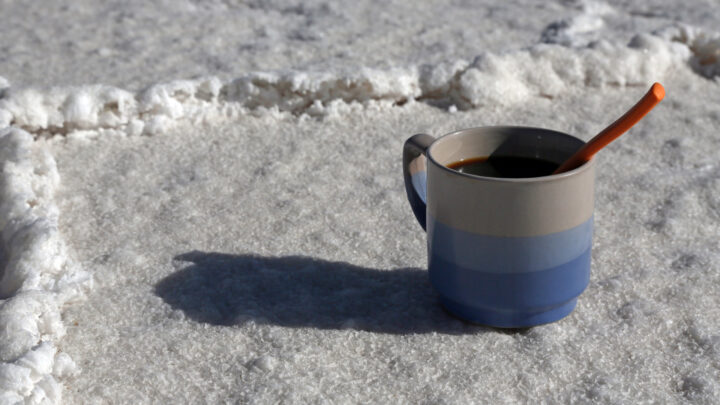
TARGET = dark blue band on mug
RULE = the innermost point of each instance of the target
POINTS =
(508, 319)
(511, 299)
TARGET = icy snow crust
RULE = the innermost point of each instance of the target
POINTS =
(39, 277)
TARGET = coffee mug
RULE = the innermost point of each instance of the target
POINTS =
(503, 252)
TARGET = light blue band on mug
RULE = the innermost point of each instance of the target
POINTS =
(419, 182)
(503, 255)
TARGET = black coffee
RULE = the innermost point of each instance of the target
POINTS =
(505, 166)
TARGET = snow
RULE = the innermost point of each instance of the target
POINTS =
(243, 235)
(38, 276)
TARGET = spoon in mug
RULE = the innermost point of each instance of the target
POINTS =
(617, 128)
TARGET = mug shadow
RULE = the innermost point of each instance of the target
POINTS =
(299, 291)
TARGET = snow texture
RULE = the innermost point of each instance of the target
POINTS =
(38, 277)
(259, 248)
(320, 290)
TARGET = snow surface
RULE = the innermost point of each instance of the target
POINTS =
(244, 236)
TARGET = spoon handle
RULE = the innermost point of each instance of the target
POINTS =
(617, 128)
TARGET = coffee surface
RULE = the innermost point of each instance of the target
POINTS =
(505, 166)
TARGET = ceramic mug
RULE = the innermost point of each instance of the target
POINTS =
(504, 252)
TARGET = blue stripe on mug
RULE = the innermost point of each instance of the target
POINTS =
(498, 254)
(511, 299)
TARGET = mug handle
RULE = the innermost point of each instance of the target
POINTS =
(415, 177)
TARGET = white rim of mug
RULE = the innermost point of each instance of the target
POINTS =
(585, 166)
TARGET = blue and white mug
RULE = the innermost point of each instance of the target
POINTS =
(504, 252)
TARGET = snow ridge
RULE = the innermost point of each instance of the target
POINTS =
(37, 277)
(491, 79)
(704, 47)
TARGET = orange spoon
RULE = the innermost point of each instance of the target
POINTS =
(617, 128)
